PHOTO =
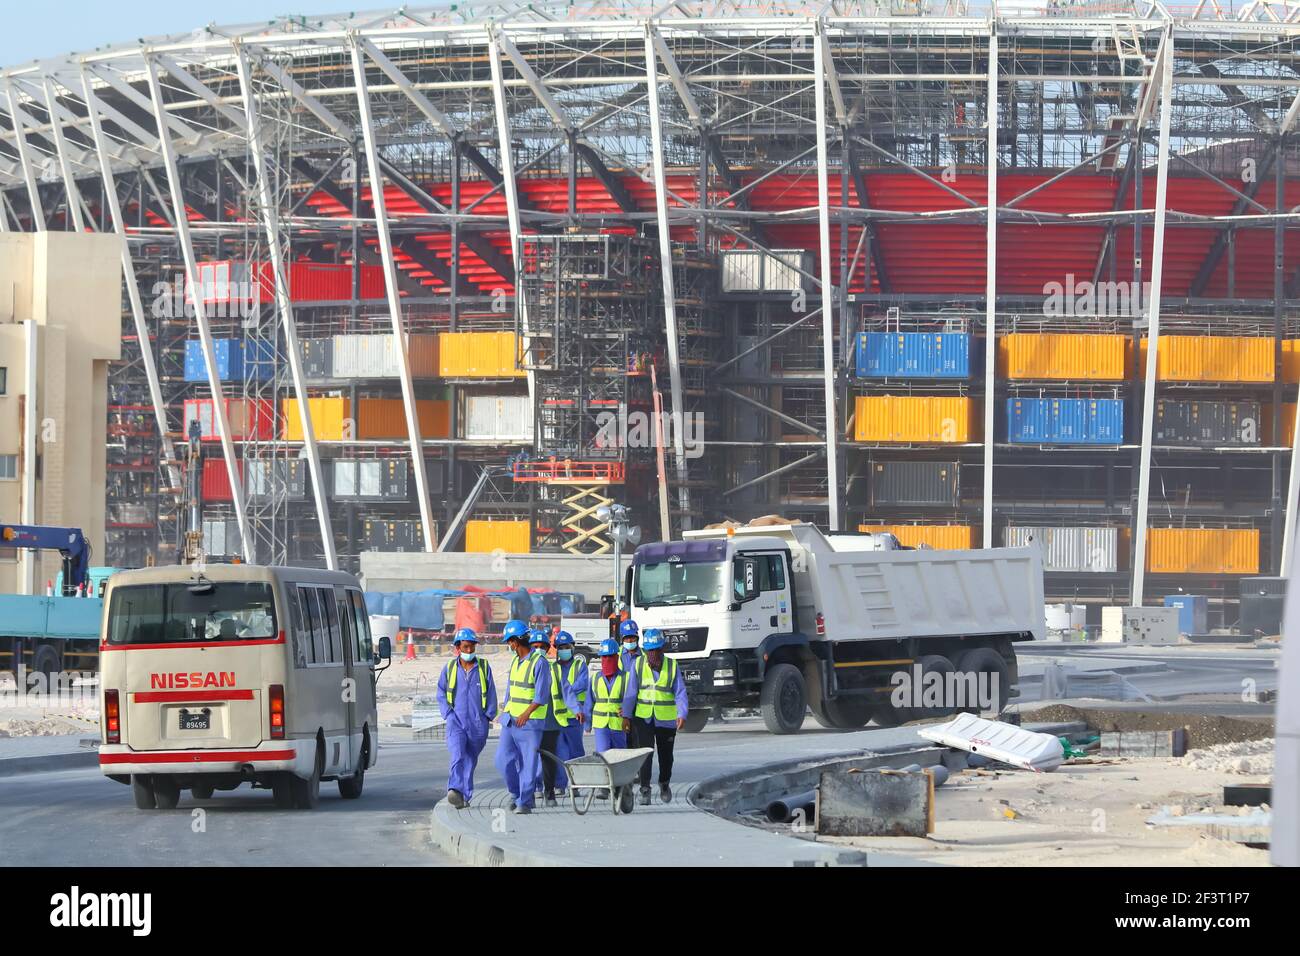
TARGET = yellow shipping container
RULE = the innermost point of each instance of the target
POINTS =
(1213, 358)
(1053, 355)
(479, 355)
(1288, 424)
(484, 537)
(1291, 360)
(943, 537)
(1203, 551)
(329, 418)
(915, 418)
(386, 418)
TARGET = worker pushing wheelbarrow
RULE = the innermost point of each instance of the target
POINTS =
(613, 772)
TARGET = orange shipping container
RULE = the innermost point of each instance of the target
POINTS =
(484, 537)
(479, 355)
(943, 537)
(1213, 358)
(1203, 551)
(386, 418)
(1062, 356)
(915, 418)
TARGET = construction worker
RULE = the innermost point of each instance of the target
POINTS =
(527, 704)
(467, 698)
(558, 717)
(629, 636)
(655, 699)
(573, 673)
(604, 704)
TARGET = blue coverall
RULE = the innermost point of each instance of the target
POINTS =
(517, 756)
(467, 721)
(553, 725)
(571, 736)
(606, 739)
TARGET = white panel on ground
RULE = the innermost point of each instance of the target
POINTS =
(999, 741)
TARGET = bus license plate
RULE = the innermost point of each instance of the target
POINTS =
(195, 722)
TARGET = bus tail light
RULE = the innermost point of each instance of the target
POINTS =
(112, 718)
(277, 711)
(821, 625)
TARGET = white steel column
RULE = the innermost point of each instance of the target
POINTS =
(991, 283)
(129, 278)
(24, 159)
(1166, 58)
(666, 271)
(377, 200)
(820, 64)
(70, 191)
(1293, 482)
(284, 301)
(200, 310)
(29, 561)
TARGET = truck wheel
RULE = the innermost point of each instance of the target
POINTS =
(167, 792)
(782, 701)
(46, 663)
(936, 664)
(886, 714)
(993, 680)
(142, 791)
(846, 714)
(696, 719)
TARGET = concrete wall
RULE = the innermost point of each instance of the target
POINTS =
(70, 286)
(406, 571)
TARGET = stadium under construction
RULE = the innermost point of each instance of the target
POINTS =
(452, 277)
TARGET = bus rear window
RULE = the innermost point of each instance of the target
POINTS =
(179, 614)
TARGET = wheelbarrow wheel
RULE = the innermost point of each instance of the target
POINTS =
(626, 801)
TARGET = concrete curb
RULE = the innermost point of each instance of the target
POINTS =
(473, 850)
(13, 766)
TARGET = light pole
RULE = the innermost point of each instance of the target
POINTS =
(622, 532)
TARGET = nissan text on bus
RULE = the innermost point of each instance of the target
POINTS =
(213, 677)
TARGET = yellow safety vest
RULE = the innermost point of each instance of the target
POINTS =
(453, 669)
(523, 685)
(607, 698)
(656, 696)
(574, 666)
(562, 712)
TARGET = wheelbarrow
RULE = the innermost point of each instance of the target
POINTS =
(614, 771)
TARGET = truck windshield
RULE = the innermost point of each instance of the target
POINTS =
(671, 582)
(179, 614)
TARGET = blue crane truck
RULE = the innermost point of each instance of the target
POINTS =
(43, 634)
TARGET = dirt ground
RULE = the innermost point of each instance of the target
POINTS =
(1203, 730)
(1084, 814)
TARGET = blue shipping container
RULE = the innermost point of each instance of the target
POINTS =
(231, 357)
(1193, 612)
(1065, 421)
(913, 355)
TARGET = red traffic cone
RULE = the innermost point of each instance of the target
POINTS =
(410, 646)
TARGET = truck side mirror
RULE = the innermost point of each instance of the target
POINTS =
(385, 648)
(748, 568)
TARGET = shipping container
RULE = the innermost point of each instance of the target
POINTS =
(226, 282)
(387, 534)
(232, 360)
(1291, 360)
(1206, 423)
(1287, 437)
(271, 479)
(479, 355)
(942, 537)
(1203, 551)
(331, 419)
(498, 418)
(485, 537)
(744, 271)
(379, 418)
(1071, 549)
(317, 358)
(1058, 356)
(375, 356)
(215, 480)
(378, 478)
(921, 483)
(249, 418)
(221, 538)
(913, 355)
(1193, 612)
(1065, 421)
(915, 418)
(1213, 358)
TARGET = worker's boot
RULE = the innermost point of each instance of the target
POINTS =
(551, 801)
(665, 793)
(645, 797)
(521, 809)
(455, 799)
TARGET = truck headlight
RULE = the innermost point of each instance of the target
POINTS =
(724, 675)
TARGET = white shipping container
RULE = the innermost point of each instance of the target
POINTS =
(1070, 549)
(365, 356)
(498, 417)
(221, 537)
(748, 271)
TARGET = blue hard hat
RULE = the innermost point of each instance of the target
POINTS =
(608, 647)
(465, 634)
(514, 629)
(628, 629)
(564, 637)
(652, 639)
(538, 636)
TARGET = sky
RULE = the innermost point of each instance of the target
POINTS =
(34, 29)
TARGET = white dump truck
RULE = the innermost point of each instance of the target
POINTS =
(786, 618)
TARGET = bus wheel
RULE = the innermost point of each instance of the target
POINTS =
(282, 790)
(142, 790)
(350, 787)
(306, 793)
(167, 792)
(696, 719)
(202, 791)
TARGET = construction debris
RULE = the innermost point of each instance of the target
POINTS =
(1143, 743)
(875, 803)
(999, 741)
(1249, 757)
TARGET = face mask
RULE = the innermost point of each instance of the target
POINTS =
(467, 658)
(565, 655)
(629, 645)
(609, 666)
